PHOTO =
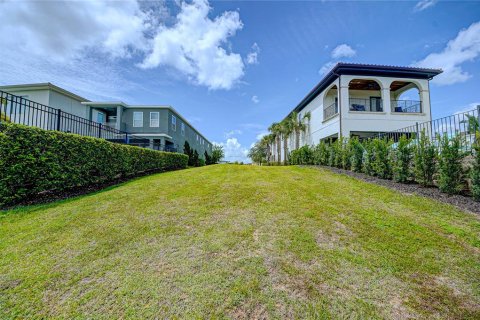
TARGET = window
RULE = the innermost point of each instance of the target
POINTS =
(154, 119)
(138, 119)
(183, 128)
(174, 123)
(197, 137)
(100, 117)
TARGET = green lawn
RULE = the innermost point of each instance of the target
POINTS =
(231, 241)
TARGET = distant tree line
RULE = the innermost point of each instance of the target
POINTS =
(195, 160)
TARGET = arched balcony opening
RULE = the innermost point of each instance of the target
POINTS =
(330, 103)
(365, 95)
(405, 97)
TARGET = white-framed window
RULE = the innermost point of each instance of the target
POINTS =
(154, 119)
(100, 117)
(197, 137)
(138, 119)
(182, 126)
(174, 123)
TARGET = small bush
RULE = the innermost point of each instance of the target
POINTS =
(337, 153)
(321, 153)
(402, 157)
(368, 157)
(424, 159)
(357, 154)
(451, 175)
(381, 165)
(33, 160)
(475, 172)
(302, 156)
(346, 153)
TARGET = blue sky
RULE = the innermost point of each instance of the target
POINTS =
(233, 68)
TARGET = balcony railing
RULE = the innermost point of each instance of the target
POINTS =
(406, 106)
(330, 111)
(366, 105)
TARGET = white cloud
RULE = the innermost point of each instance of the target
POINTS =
(234, 151)
(193, 46)
(424, 4)
(465, 47)
(232, 133)
(327, 67)
(252, 57)
(70, 31)
(255, 99)
(343, 51)
(469, 107)
(261, 135)
(64, 30)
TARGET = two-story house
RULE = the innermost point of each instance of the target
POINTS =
(159, 127)
(362, 100)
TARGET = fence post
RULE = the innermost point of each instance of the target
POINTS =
(418, 131)
(99, 130)
(59, 119)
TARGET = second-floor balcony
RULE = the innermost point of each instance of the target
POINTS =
(372, 104)
(330, 111)
(406, 106)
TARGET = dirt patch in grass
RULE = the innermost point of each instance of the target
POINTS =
(460, 201)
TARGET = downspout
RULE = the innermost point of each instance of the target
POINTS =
(339, 104)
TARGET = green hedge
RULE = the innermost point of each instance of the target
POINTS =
(33, 160)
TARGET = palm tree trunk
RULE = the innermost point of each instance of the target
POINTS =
(279, 150)
(285, 150)
(297, 139)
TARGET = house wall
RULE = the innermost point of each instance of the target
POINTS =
(165, 127)
(67, 104)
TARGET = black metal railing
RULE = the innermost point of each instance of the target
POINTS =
(366, 105)
(330, 111)
(406, 106)
(464, 124)
(19, 110)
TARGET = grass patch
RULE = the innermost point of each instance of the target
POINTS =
(230, 241)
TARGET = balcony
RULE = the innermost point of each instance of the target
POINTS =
(330, 111)
(406, 106)
(366, 105)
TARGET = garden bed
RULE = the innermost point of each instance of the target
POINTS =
(460, 201)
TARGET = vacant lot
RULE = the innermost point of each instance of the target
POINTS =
(232, 241)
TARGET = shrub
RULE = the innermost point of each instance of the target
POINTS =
(336, 151)
(424, 161)
(320, 154)
(357, 154)
(381, 164)
(475, 173)
(402, 160)
(33, 160)
(368, 157)
(346, 153)
(303, 155)
(451, 176)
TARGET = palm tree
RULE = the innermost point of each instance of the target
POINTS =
(267, 142)
(306, 120)
(297, 126)
(286, 130)
(275, 129)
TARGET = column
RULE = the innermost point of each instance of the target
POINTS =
(118, 124)
(386, 100)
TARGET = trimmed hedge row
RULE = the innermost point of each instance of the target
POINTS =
(33, 160)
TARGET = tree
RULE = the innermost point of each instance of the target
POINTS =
(424, 161)
(276, 130)
(286, 130)
(402, 160)
(451, 175)
(196, 159)
(475, 173)
(297, 126)
(258, 152)
(208, 158)
(189, 152)
(217, 153)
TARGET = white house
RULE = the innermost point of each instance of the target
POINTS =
(362, 100)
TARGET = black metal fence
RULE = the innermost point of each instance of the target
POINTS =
(19, 110)
(464, 124)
